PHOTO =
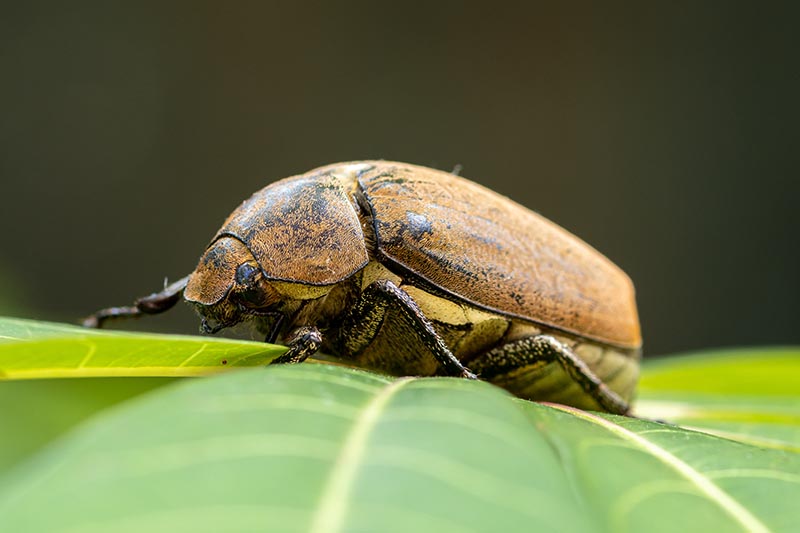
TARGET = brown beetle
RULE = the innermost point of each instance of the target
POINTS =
(414, 271)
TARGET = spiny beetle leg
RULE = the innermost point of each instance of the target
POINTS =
(370, 310)
(153, 304)
(529, 350)
(303, 343)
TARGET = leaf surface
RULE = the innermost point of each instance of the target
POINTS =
(323, 448)
(303, 448)
(30, 349)
(752, 395)
(640, 475)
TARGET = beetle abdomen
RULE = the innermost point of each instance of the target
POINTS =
(467, 241)
(470, 333)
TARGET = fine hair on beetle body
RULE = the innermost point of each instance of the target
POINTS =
(408, 270)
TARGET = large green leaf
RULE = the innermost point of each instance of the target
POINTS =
(317, 448)
(322, 448)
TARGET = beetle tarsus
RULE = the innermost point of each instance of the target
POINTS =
(155, 303)
(304, 342)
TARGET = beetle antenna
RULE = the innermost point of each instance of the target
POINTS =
(153, 304)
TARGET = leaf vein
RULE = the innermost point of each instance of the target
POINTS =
(730, 505)
(330, 513)
(195, 354)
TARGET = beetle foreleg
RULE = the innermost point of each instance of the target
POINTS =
(148, 305)
(528, 350)
(303, 343)
(370, 311)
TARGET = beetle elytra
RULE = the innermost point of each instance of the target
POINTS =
(413, 271)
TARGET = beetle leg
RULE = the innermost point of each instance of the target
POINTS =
(303, 342)
(368, 314)
(274, 330)
(153, 304)
(528, 350)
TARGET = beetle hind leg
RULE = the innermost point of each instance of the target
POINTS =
(149, 305)
(544, 348)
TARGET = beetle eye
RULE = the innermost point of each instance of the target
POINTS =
(246, 274)
(251, 292)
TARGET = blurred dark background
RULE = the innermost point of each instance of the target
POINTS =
(664, 135)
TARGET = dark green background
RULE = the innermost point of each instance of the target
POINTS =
(664, 134)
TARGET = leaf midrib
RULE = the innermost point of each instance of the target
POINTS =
(332, 506)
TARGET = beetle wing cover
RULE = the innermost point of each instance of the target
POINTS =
(302, 229)
(488, 250)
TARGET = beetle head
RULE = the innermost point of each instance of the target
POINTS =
(228, 286)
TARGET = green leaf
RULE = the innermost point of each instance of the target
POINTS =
(38, 411)
(322, 448)
(31, 349)
(297, 449)
(45, 409)
(640, 475)
(752, 395)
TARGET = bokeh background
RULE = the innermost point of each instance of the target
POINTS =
(664, 134)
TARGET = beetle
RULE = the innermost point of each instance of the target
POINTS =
(413, 271)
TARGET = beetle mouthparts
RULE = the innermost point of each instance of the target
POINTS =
(210, 329)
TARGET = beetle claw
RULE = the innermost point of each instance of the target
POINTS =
(91, 322)
(468, 375)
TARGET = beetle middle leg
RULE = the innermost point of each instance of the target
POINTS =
(369, 313)
(528, 350)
